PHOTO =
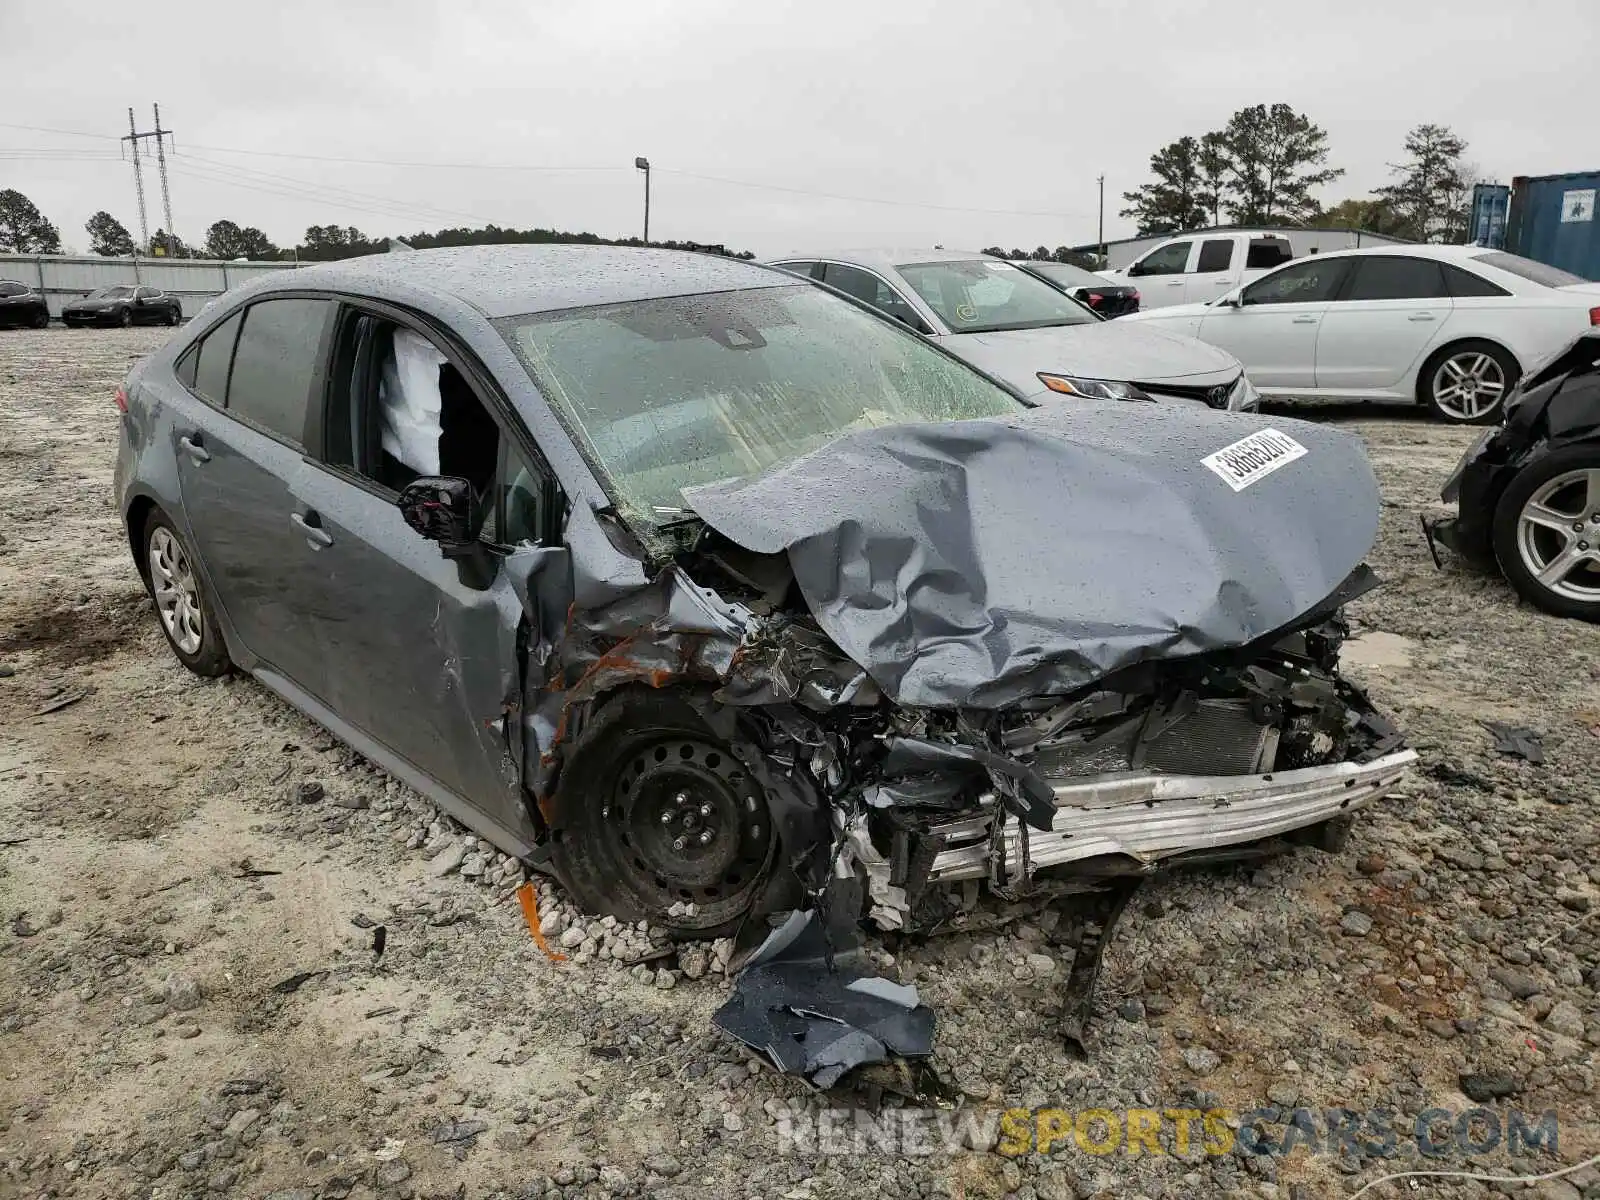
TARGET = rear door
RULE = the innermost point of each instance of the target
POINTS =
(1273, 329)
(1391, 311)
(1214, 270)
(239, 451)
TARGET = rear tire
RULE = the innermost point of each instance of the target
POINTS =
(1467, 383)
(184, 609)
(653, 809)
(1550, 514)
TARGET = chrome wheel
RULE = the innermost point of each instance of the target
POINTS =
(1468, 385)
(177, 595)
(1558, 535)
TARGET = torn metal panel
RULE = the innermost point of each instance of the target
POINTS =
(977, 563)
(818, 1018)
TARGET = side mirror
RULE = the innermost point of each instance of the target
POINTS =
(443, 509)
(1136, 269)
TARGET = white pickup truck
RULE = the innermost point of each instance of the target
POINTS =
(1199, 267)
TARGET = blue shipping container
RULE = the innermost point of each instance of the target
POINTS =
(1552, 220)
(1489, 204)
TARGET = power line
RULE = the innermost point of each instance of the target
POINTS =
(721, 179)
(288, 185)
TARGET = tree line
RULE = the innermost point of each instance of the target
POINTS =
(1265, 165)
(25, 230)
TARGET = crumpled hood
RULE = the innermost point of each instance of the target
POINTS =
(1102, 350)
(972, 563)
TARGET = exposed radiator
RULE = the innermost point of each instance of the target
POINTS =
(1220, 737)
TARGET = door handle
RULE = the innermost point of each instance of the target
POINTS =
(195, 448)
(311, 525)
(1176, 283)
(1420, 317)
(1304, 321)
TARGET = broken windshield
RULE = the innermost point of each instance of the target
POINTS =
(670, 393)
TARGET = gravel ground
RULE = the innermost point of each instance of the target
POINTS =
(191, 873)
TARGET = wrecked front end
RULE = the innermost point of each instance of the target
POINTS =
(1030, 655)
(996, 651)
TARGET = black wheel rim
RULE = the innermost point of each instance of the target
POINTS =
(690, 827)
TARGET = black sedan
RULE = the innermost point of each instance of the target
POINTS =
(1106, 298)
(124, 304)
(22, 305)
(1527, 494)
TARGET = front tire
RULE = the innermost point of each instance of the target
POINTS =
(185, 611)
(125, 318)
(41, 320)
(654, 812)
(1467, 384)
(1547, 533)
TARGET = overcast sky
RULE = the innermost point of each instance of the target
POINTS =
(941, 110)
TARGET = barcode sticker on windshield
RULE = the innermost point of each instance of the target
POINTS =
(1253, 458)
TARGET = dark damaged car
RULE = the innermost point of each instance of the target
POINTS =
(714, 594)
(1527, 492)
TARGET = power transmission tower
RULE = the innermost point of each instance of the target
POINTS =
(161, 161)
(138, 181)
(133, 138)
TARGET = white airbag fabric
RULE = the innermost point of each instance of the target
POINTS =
(408, 396)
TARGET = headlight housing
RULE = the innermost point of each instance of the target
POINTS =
(1092, 389)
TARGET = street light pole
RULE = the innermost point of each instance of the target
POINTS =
(643, 164)
(1100, 235)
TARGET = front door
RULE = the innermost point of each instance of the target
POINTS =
(1391, 311)
(1273, 328)
(421, 660)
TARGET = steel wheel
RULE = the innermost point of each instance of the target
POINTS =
(1468, 386)
(1558, 535)
(691, 826)
(176, 593)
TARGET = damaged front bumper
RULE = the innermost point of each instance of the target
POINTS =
(1145, 819)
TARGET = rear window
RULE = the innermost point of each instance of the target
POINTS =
(278, 363)
(1464, 284)
(210, 377)
(1265, 252)
(1526, 268)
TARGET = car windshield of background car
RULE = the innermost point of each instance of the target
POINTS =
(670, 393)
(981, 295)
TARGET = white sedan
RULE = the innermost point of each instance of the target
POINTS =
(1452, 327)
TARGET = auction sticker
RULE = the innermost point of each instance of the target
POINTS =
(1254, 457)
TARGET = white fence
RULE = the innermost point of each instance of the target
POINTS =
(63, 278)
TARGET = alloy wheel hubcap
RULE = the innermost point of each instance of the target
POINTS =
(1558, 535)
(1469, 385)
(176, 592)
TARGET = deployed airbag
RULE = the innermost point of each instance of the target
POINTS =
(409, 400)
(973, 563)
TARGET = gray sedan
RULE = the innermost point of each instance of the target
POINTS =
(703, 587)
(1025, 332)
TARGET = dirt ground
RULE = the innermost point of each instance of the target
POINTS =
(192, 876)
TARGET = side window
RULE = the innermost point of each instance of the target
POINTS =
(868, 288)
(278, 365)
(1393, 277)
(1216, 254)
(145, 293)
(520, 507)
(1169, 260)
(797, 267)
(213, 360)
(1266, 253)
(1464, 284)
(12, 289)
(399, 409)
(1304, 283)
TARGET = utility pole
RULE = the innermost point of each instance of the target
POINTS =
(133, 138)
(138, 181)
(643, 164)
(1100, 234)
